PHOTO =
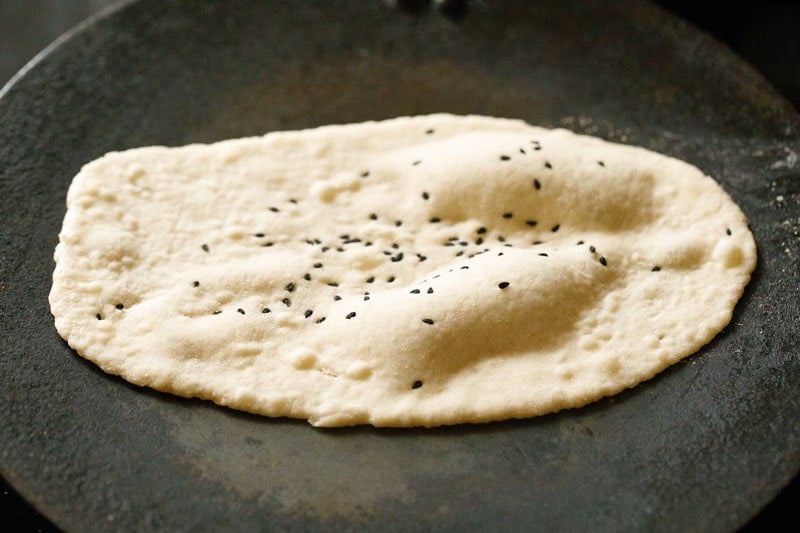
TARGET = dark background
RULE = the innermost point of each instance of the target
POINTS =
(765, 34)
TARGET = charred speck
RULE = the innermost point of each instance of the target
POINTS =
(499, 254)
(501, 238)
(240, 311)
(352, 241)
(521, 151)
(428, 321)
(204, 247)
(536, 243)
(350, 315)
(287, 302)
(417, 384)
(325, 248)
(465, 267)
(340, 249)
(603, 261)
(395, 245)
(366, 297)
(308, 313)
(459, 253)
(422, 257)
(503, 284)
(292, 200)
(387, 252)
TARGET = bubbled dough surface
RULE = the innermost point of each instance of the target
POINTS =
(567, 330)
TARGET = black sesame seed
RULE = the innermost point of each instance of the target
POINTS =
(274, 209)
(395, 245)
(350, 315)
(195, 284)
(536, 243)
(508, 215)
(390, 279)
(508, 245)
(503, 284)
(728, 231)
(317, 241)
(339, 249)
(398, 223)
(287, 302)
(345, 236)
(368, 243)
(656, 268)
(98, 316)
(371, 279)
(430, 290)
(531, 223)
(325, 248)
(603, 261)
(387, 252)
(479, 240)
(592, 249)
(217, 312)
(414, 291)
(417, 384)
(501, 238)
(543, 254)
(398, 257)
(555, 228)
(351, 241)
(204, 247)
(240, 311)
(366, 297)
(266, 310)
(481, 230)
(415, 163)
(521, 151)
(333, 284)
(292, 200)
(120, 306)
(428, 321)
(289, 287)
(320, 320)
(317, 265)
(505, 158)
(373, 216)
(537, 184)
(425, 195)
(267, 244)
(463, 243)
(307, 276)
(579, 243)
(336, 297)
(547, 164)
(601, 163)
(465, 267)
(435, 220)
(259, 235)
(422, 258)
(308, 313)
(459, 253)
(429, 132)
(365, 174)
(499, 254)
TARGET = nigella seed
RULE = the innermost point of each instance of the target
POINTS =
(555, 228)
(503, 284)
(395, 245)
(656, 268)
(417, 384)
(336, 297)
(531, 223)
(398, 223)
(421, 257)
(435, 220)
(274, 209)
(603, 261)
(373, 216)
(240, 311)
(317, 265)
(481, 230)
(287, 302)
(508, 215)
(266, 310)
(537, 184)
(307, 276)
(428, 321)
(120, 306)
(414, 291)
(365, 174)
(195, 284)
(459, 253)
(320, 320)
(398, 257)
(547, 164)
(308, 313)
(366, 297)
(98, 316)
(479, 241)
(204, 247)
(267, 244)
(728, 231)
(430, 290)
(350, 315)
(505, 158)
(371, 279)
(592, 249)
(289, 287)
(425, 195)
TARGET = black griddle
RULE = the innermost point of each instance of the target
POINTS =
(703, 446)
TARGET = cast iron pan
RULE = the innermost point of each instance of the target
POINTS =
(702, 446)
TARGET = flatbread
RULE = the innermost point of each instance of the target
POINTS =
(417, 271)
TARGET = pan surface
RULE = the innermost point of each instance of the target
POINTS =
(702, 446)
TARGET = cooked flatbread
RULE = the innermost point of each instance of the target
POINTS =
(418, 271)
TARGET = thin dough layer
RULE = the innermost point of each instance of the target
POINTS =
(417, 271)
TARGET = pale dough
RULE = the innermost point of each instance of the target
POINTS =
(417, 271)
